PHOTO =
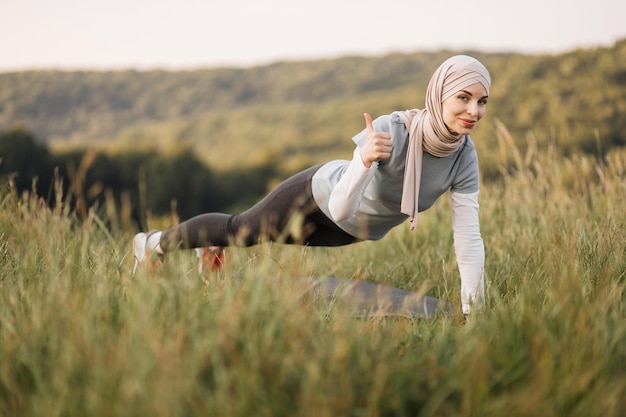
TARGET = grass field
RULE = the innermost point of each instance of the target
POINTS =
(79, 336)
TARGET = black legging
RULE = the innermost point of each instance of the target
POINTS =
(288, 214)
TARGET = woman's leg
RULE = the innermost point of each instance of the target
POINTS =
(288, 214)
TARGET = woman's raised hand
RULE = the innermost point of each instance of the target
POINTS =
(377, 144)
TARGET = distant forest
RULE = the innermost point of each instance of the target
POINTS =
(208, 128)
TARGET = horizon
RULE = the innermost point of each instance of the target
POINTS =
(191, 34)
(287, 60)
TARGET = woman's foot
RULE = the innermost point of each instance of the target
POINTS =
(146, 255)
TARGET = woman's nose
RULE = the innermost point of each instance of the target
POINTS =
(472, 108)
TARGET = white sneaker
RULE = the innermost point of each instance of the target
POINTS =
(147, 257)
(211, 260)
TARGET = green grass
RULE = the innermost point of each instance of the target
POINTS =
(79, 336)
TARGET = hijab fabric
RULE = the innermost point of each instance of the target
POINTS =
(427, 130)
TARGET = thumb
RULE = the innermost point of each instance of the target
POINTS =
(368, 122)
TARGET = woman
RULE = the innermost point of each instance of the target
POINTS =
(402, 163)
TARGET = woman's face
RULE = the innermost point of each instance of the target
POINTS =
(463, 110)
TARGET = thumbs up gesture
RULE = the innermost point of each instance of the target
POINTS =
(377, 144)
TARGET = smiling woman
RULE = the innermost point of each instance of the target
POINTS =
(462, 111)
(403, 162)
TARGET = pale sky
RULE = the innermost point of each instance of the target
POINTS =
(187, 34)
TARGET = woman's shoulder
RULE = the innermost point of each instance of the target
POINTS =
(394, 116)
(466, 156)
(468, 146)
(396, 126)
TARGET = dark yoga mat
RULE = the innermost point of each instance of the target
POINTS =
(368, 299)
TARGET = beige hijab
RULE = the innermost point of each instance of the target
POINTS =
(427, 130)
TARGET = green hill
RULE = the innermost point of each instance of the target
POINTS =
(304, 112)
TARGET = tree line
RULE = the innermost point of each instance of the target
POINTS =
(148, 181)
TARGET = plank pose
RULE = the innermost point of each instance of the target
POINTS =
(402, 163)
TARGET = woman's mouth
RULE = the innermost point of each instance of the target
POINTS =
(468, 123)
